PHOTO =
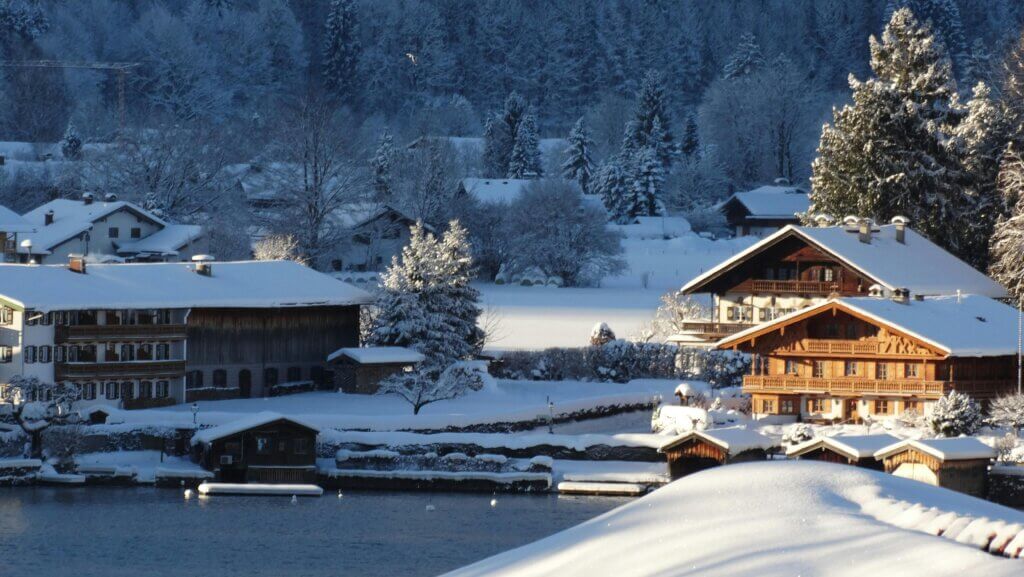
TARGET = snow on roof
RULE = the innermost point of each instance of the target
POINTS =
(378, 355)
(916, 264)
(733, 439)
(165, 241)
(251, 284)
(245, 423)
(495, 190)
(72, 217)
(11, 221)
(955, 449)
(851, 446)
(773, 202)
(964, 326)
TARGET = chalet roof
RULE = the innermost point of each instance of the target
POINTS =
(495, 190)
(207, 436)
(916, 264)
(955, 449)
(72, 217)
(733, 440)
(167, 240)
(850, 446)
(11, 221)
(771, 202)
(378, 355)
(252, 284)
(965, 326)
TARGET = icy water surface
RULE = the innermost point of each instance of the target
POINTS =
(136, 532)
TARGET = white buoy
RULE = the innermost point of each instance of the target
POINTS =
(430, 508)
(339, 494)
(295, 499)
(188, 493)
(494, 502)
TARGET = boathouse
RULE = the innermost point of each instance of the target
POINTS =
(960, 464)
(261, 448)
(698, 450)
(359, 370)
(856, 450)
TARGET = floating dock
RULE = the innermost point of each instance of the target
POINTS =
(260, 489)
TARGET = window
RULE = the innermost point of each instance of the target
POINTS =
(163, 351)
(194, 379)
(882, 371)
(786, 406)
(831, 330)
(816, 406)
(911, 370)
(127, 352)
(46, 319)
(110, 353)
(6, 354)
(110, 391)
(731, 313)
(146, 390)
(112, 232)
(136, 232)
(913, 406)
(144, 352)
(83, 353)
(769, 273)
(264, 446)
(6, 316)
(89, 391)
(829, 275)
(881, 407)
(30, 354)
(220, 378)
(294, 374)
(767, 406)
(851, 331)
(269, 377)
(301, 446)
(60, 353)
(819, 369)
(127, 390)
(31, 318)
(162, 389)
(850, 368)
(45, 354)
(792, 367)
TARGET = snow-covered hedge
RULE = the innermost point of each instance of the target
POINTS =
(291, 388)
(621, 361)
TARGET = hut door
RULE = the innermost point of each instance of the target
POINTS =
(851, 410)
(244, 383)
(917, 472)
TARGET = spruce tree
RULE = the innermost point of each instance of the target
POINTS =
(71, 143)
(691, 139)
(578, 165)
(341, 49)
(746, 59)
(498, 144)
(651, 108)
(1013, 90)
(612, 183)
(1006, 247)
(524, 160)
(380, 164)
(646, 190)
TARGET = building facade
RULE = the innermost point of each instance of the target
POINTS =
(764, 210)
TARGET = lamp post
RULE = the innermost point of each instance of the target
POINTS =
(195, 412)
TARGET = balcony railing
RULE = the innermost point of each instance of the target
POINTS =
(713, 330)
(845, 386)
(833, 347)
(794, 286)
(117, 370)
(71, 333)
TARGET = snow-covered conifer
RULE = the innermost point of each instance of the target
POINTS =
(612, 183)
(524, 160)
(746, 59)
(954, 414)
(1007, 411)
(381, 164)
(651, 108)
(1006, 247)
(578, 165)
(691, 140)
(341, 49)
(71, 143)
(647, 186)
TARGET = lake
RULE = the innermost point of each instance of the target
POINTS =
(131, 532)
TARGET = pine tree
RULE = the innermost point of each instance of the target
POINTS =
(1013, 91)
(341, 49)
(612, 183)
(71, 143)
(954, 414)
(381, 166)
(1006, 247)
(887, 154)
(691, 140)
(646, 189)
(460, 300)
(524, 161)
(501, 135)
(943, 17)
(578, 165)
(746, 59)
(498, 144)
(651, 108)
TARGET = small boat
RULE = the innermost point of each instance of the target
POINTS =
(259, 489)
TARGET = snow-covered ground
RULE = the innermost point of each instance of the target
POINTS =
(667, 264)
(779, 519)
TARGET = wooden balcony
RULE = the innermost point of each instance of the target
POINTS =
(794, 286)
(846, 386)
(712, 330)
(831, 347)
(83, 333)
(117, 370)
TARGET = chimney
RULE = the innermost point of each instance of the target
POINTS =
(204, 264)
(864, 230)
(110, 197)
(76, 263)
(900, 223)
(87, 198)
(850, 222)
(48, 218)
(901, 295)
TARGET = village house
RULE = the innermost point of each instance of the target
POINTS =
(798, 267)
(360, 370)
(12, 225)
(764, 210)
(697, 450)
(375, 234)
(850, 358)
(107, 230)
(261, 448)
(139, 335)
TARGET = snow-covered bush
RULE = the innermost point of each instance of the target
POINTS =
(797, 433)
(954, 414)
(1008, 449)
(676, 420)
(601, 335)
(36, 405)
(1007, 411)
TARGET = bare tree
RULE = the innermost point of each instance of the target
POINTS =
(277, 247)
(36, 405)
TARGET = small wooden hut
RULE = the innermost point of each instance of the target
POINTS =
(960, 464)
(856, 450)
(359, 370)
(261, 448)
(698, 450)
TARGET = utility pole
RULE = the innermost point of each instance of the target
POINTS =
(120, 68)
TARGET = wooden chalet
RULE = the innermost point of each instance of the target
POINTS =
(960, 464)
(797, 267)
(765, 209)
(850, 357)
(262, 448)
(698, 450)
(856, 450)
(359, 370)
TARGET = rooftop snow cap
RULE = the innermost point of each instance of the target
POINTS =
(204, 264)
(110, 197)
(876, 291)
(823, 220)
(87, 198)
(76, 263)
(850, 222)
(901, 223)
(901, 295)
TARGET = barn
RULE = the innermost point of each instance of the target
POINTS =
(698, 450)
(960, 464)
(856, 450)
(359, 370)
(262, 448)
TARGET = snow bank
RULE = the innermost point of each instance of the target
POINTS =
(491, 440)
(766, 519)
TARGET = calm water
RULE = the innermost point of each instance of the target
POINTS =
(136, 532)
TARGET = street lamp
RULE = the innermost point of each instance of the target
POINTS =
(195, 411)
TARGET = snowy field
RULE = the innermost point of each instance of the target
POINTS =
(780, 519)
(508, 401)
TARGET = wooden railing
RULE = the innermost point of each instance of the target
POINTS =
(713, 329)
(794, 286)
(66, 333)
(134, 369)
(847, 386)
(834, 347)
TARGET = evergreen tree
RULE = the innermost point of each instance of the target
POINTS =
(578, 166)
(955, 414)
(1006, 248)
(612, 183)
(651, 108)
(71, 143)
(746, 59)
(691, 139)
(524, 161)
(1013, 90)
(943, 17)
(460, 299)
(1008, 411)
(341, 49)
(646, 190)
(511, 144)
(498, 144)
(887, 154)
(381, 167)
